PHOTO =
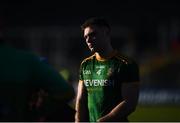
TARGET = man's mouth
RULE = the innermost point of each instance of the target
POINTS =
(90, 45)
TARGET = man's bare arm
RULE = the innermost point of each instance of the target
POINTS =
(81, 104)
(130, 93)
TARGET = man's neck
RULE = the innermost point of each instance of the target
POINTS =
(104, 54)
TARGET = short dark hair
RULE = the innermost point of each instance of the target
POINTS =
(96, 21)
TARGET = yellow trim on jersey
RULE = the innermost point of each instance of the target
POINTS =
(122, 58)
(90, 57)
(112, 54)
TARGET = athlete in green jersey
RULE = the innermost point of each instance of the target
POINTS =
(109, 82)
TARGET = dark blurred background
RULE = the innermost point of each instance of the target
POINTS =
(147, 31)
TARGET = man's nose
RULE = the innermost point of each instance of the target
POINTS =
(89, 39)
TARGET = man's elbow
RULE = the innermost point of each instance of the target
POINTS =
(131, 108)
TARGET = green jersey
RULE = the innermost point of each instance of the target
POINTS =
(103, 79)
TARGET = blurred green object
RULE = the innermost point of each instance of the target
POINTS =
(156, 113)
(65, 74)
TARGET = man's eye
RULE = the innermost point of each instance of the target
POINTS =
(93, 34)
(90, 35)
(85, 37)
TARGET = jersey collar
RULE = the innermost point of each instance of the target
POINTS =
(99, 58)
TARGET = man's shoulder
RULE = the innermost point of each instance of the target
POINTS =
(88, 59)
(124, 58)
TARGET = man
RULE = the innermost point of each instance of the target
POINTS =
(109, 82)
(29, 87)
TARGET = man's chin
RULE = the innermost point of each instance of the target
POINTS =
(92, 50)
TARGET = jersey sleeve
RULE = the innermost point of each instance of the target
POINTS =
(130, 72)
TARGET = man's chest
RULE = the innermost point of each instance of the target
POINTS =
(100, 74)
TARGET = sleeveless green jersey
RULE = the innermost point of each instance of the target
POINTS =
(103, 79)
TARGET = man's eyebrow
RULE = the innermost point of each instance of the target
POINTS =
(90, 34)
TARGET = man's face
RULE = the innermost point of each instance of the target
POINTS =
(95, 38)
